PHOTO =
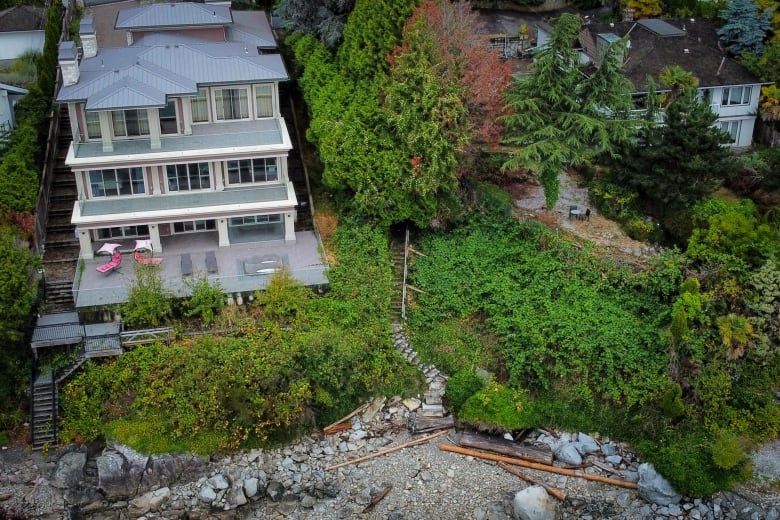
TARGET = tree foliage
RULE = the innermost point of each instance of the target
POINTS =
(325, 19)
(681, 161)
(745, 29)
(561, 118)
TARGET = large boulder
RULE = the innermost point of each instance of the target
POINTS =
(654, 488)
(533, 503)
(119, 471)
(152, 501)
(169, 469)
(586, 444)
(69, 470)
(567, 453)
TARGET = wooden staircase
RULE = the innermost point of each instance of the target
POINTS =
(398, 247)
(43, 411)
(295, 169)
(61, 245)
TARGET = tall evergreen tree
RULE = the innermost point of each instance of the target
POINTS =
(676, 163)
(324, 19)
(562, 118)
(745, 29)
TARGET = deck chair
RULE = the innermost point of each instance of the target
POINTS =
(112, 265)
(211, 262)
(574, 211)
(146, 260)
(186, 264)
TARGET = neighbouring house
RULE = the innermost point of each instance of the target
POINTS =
(178, 140)
(653, 44)
(21, 31)
(9, 96)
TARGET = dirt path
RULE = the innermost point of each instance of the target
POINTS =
(529, 202)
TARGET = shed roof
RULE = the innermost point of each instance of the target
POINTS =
(22, 18)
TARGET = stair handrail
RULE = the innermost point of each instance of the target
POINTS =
(403, 285)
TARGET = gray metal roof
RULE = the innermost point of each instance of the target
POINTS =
(661, 27)
(138, 77)
(166, 62)
(180, 14)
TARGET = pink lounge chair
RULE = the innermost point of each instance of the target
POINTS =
(111, 265)
(141, 259)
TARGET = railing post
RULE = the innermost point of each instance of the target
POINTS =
(403, 285)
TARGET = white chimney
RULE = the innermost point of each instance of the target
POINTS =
(69, 64)
(88, 37)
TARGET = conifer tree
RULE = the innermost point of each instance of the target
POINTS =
(745, 28)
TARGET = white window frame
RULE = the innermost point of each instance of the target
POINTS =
(231, 165)
(92, 119)
(254, 220)
(733, 128)
(124, 232)
(204, 94)
(272, 98)
(194, 226)
(193, 170)
(217, 93)
(744, 96)
(175, 117)
(115, 171)
(115, 120)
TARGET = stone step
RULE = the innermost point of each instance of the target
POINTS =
(431, 410)
(433, 397)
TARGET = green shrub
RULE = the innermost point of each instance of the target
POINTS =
(207, 300)
(643, 229)
(497, 405)
(149, 302)
(461, 386)
(726, 450)
(672, 404)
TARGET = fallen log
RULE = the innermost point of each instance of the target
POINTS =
(534, 465)
(422, 440)
(557, 493)
(5, 496)
(506, 447)
(420, 424)
(607, 468)
(358, 410)
(374, 501)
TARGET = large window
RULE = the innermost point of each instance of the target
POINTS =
(736, 96)
(248, 171)
(168, 123)
(732, 128)
(264, 100)
(130, 123)
(193, 226)
(231, 103)
(93, 125)
(122, 181)
(185, 177)
(253, 220)
(123, 232)
(200, 106)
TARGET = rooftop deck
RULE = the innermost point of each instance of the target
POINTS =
(303, 259)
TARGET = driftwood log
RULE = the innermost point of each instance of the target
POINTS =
(534, 465)
(557, 493)
(420, 424)
(333, 428)
(506, 447)
(382, 494)
(416, 442)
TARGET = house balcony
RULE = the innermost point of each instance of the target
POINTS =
(207, 142)
(240, 269)
(182, 206)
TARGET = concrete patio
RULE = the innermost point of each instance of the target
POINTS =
(236, 274)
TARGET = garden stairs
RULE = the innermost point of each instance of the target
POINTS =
(61, 248)
(432, 404)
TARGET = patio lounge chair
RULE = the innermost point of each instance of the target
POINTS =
(112, 265)
(211, 262)
(186, 264)
(146, 260)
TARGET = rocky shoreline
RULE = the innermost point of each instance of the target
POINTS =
(422, 482)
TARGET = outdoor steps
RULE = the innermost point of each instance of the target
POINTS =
(62, 254)
(56, 237)
(59, 295)
(295, 169)
(43, 415)
(72, 367)
(432, 404)
(397, 257)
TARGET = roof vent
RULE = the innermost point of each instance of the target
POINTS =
(612, 24)
(686, 51)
